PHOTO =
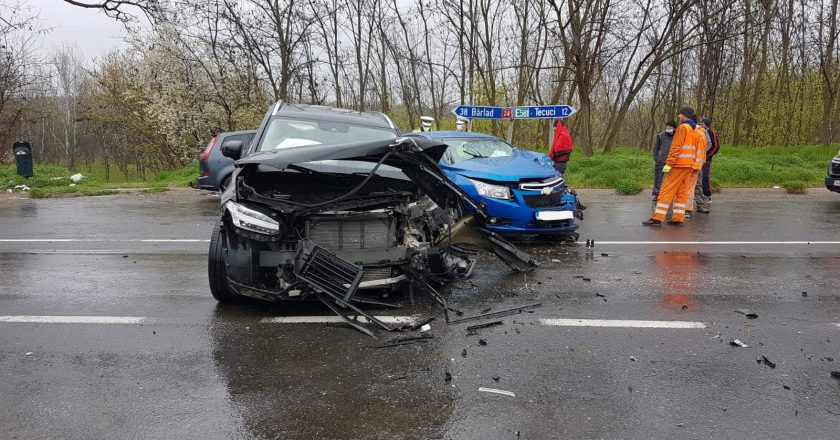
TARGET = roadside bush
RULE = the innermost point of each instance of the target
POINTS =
(794, 187)
(628, 187)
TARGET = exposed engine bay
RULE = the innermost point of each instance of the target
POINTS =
(332, 221)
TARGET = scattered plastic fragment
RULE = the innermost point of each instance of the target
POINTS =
(396, 342)
(785, 387)
(495, 391)
(498, 314)
(748, 313)
(464, 353)
(76, 177)
(447, 376)
(766, 361)
(28, 353)
(473, 328)
(420, 324)
(425, 328)
(72, 185)
(496, 378)
(587, 279)
(604, 254)
(835, 374)
(482, 342)
(738, 343)
(633, 358)
(804, 294)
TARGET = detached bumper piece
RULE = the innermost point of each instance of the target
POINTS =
(333, 281)
(326, 271)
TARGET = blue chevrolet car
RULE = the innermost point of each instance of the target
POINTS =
(521, 190)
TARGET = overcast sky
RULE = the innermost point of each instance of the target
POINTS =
(94, 33)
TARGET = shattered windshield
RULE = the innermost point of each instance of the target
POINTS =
(289, 132)
(462, 149)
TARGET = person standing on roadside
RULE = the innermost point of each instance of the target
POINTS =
(706, 123)
(561, 147)
(695, 191)
(660, 153)
(679, 170)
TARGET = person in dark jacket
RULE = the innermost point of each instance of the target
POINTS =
(561, 147)
(660, 155)
(706, 123)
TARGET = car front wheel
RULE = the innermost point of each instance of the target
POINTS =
(216, 272)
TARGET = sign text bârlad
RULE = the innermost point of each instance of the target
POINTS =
(524, 112)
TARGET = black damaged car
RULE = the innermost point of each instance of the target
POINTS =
(331, 204)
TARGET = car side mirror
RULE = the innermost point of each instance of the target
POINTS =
(232, 149)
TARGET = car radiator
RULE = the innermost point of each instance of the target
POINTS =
(371, 231)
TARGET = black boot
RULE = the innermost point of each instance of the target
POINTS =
(652, 222)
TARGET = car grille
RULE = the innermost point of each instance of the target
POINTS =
(835, 168)
(328, 272)
(352, 233)
(543, 200)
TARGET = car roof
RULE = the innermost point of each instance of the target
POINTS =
(451, 134)
(233, 133)
(333, 114)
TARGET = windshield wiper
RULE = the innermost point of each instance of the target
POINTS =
(473, 153)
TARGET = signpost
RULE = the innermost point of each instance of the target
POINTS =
(513, 113)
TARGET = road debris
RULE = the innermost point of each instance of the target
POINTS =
(473, 328)
(766, 361)
(835, 374)
(464, 353)
(785, 387)
(604, 254)
(28, 353)
(633, 358)
(447, 376)
(499, 314)
(748, 313)
(482, 342)
(804, 294)
(495, 391)
(76, 177)
(587, 279)
(496, 378)
(738, 343)
(425, 328)
(396, 342)
(420, 324)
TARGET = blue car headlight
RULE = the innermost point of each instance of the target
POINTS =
(492, 191)
(251, 220)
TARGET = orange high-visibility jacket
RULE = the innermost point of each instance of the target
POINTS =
(702, 145)
(683, 151)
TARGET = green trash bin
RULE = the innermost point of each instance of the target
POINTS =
(23, 158)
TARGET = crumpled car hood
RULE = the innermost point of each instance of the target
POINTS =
(520, 165)
(417, 158)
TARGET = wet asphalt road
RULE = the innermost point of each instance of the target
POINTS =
(192, 369)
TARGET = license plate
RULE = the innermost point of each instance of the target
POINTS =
(548, 216)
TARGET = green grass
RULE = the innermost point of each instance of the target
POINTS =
(794, 187)
(627, 169)
(54, 180)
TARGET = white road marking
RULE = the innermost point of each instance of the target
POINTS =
(42, 319)
(718, 243)
(621, 323)
(103, 240)
(334, 319)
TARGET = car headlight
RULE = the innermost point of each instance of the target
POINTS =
(492, 191)
(251, 220)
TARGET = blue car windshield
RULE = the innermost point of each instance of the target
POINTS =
(290, 132)
(461, 149)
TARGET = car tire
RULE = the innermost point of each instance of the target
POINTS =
(224, 183)
(216, 272)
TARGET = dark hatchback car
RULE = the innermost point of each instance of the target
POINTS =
(214, 167)
(832, 179)
(327, 203)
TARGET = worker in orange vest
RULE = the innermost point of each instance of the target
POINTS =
(695, 192)
(679, 172)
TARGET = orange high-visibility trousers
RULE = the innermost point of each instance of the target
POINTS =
(674, 190)
(695, 176)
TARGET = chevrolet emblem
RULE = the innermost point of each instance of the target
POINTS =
(546, 191)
